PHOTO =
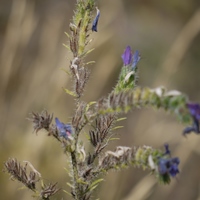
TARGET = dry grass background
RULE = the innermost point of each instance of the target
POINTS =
(167, 33)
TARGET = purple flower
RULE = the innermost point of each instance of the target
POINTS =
(95, 22)
(127, 56)
(136, 59)
(65, 130)
(194, 110)
(167, 151)
(168, 166)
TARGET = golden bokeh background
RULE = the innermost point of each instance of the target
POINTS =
(167, 34)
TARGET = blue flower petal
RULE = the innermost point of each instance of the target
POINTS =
(59, 124)
(65, 130)
(162, 166)
(173, 170)
(95, 22)
(168, 166)
(167, 151)
(136, 59)
(194, 109)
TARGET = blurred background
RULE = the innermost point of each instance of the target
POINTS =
(166, 33)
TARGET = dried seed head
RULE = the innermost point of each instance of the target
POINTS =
(41, 121)
(20, 173)
(49, 190)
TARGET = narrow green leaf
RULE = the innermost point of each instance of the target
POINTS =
(90, 62)
(67, 47)
(81, 181)
(69, 92)
(89, 51)
(67, 192)
(111, 139)
(70, 185)
(21, 188)
(66, 170)
(117, 127)
(92, 188)
(67, 34)
(120, 119)
(89, 104)
(95, 183)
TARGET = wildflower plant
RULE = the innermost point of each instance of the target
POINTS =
(101, 117)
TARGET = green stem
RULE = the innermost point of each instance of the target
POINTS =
(75, 175)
